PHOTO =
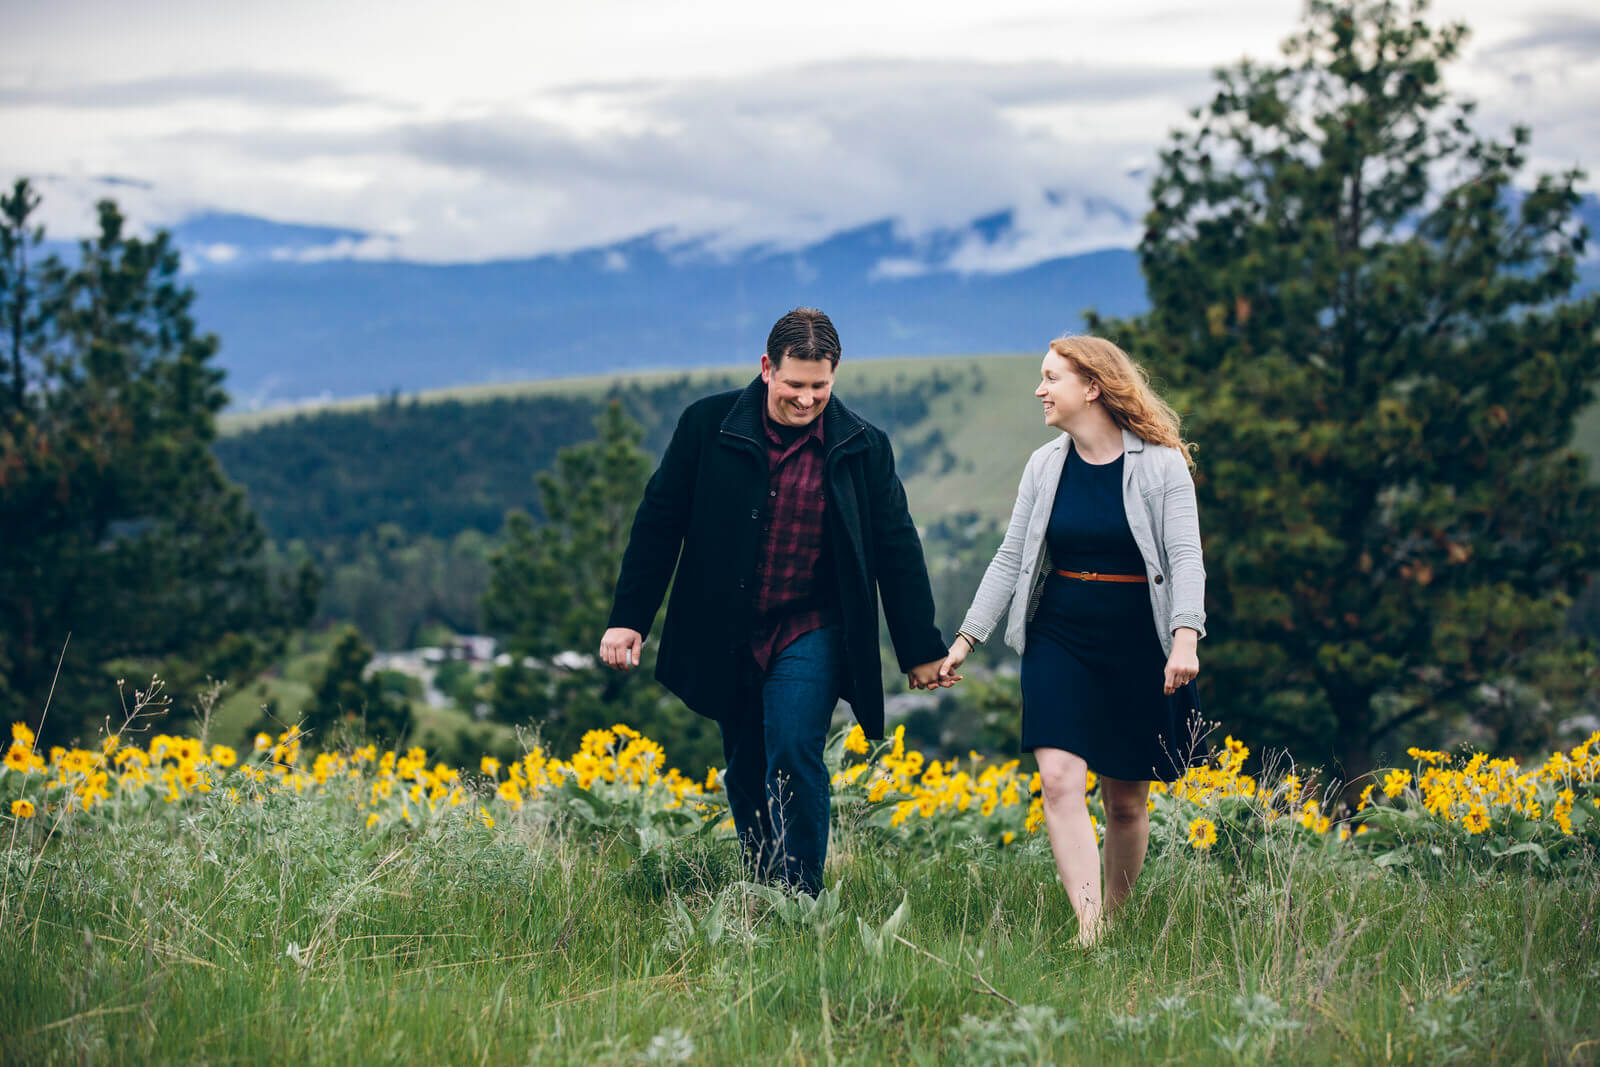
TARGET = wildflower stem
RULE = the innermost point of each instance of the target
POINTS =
(978, 976)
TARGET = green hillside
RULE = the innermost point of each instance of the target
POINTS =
(989, 420)
(1587, 438)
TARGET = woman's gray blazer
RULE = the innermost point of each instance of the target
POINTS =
(1158, 496)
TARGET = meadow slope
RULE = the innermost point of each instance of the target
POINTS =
(367, 908)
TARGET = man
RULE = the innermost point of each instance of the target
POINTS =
(781, 512)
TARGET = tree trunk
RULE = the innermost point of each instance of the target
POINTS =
(1352, 710)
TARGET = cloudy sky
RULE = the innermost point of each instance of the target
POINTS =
(499, 128)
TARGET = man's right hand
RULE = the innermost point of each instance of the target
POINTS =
(619, 648)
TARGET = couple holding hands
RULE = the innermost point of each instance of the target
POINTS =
(781, 514)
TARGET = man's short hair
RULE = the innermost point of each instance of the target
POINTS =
(804, 333)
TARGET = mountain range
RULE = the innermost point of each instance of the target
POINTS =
(310, 313)
(303, 315)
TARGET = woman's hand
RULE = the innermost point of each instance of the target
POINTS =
(1184, 662)
(960, 649)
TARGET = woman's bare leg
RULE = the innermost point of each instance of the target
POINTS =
(1064, 778)
(1127, 836)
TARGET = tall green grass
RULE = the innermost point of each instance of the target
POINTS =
(290, 933)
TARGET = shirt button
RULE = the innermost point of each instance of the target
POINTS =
(1158, 579)
(772, 492)
(755, 513)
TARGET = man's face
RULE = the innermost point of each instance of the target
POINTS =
(797, 389)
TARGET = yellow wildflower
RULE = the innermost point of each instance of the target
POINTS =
(849, 775)
(93, 790)
(223, 756)
(856, 741)
(21, 809)
(1395, 782)
(1202, 833)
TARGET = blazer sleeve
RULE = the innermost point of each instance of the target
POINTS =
(1180, 521)
(1000, 579)
(658, 530)
(902, 571)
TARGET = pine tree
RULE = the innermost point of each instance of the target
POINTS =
(1364, 309)
(348, 703)
(550, 591)
(120, 531)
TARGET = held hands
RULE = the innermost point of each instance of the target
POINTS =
(1184, 663)
(940, 674)
(926, 676)
(619, 648)
(960, 649)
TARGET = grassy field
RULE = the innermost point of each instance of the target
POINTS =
(360, 907)
(285, 935)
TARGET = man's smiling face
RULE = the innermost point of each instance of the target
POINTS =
(797, 389)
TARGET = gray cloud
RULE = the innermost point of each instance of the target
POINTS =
(264, 88)
(1578, 36)
(783, 158)
(900, 131)
(1002, 83)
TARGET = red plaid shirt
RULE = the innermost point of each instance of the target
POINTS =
(791, 581)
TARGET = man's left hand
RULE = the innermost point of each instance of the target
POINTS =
(926, 676)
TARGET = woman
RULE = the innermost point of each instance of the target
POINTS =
(1101, 571)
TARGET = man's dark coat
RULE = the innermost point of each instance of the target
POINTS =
(709, 500)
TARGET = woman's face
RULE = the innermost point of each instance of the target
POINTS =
(1062, 391)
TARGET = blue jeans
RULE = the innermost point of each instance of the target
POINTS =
(776, 781)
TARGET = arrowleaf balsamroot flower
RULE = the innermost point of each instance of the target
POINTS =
(896, 786)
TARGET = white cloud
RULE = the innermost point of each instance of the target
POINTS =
(535, 128)
(369, 247)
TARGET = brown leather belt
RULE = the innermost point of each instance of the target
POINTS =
(1096, 576)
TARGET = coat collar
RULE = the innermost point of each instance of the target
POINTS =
(839, 423)
(1131, 442)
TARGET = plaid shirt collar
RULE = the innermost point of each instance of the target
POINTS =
(812, 431)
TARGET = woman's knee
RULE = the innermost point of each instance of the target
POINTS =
(1063, 776)
(1125, 802)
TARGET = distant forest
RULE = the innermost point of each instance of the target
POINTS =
(399, 505)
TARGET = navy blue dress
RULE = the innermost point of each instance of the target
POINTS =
(1092, 666)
